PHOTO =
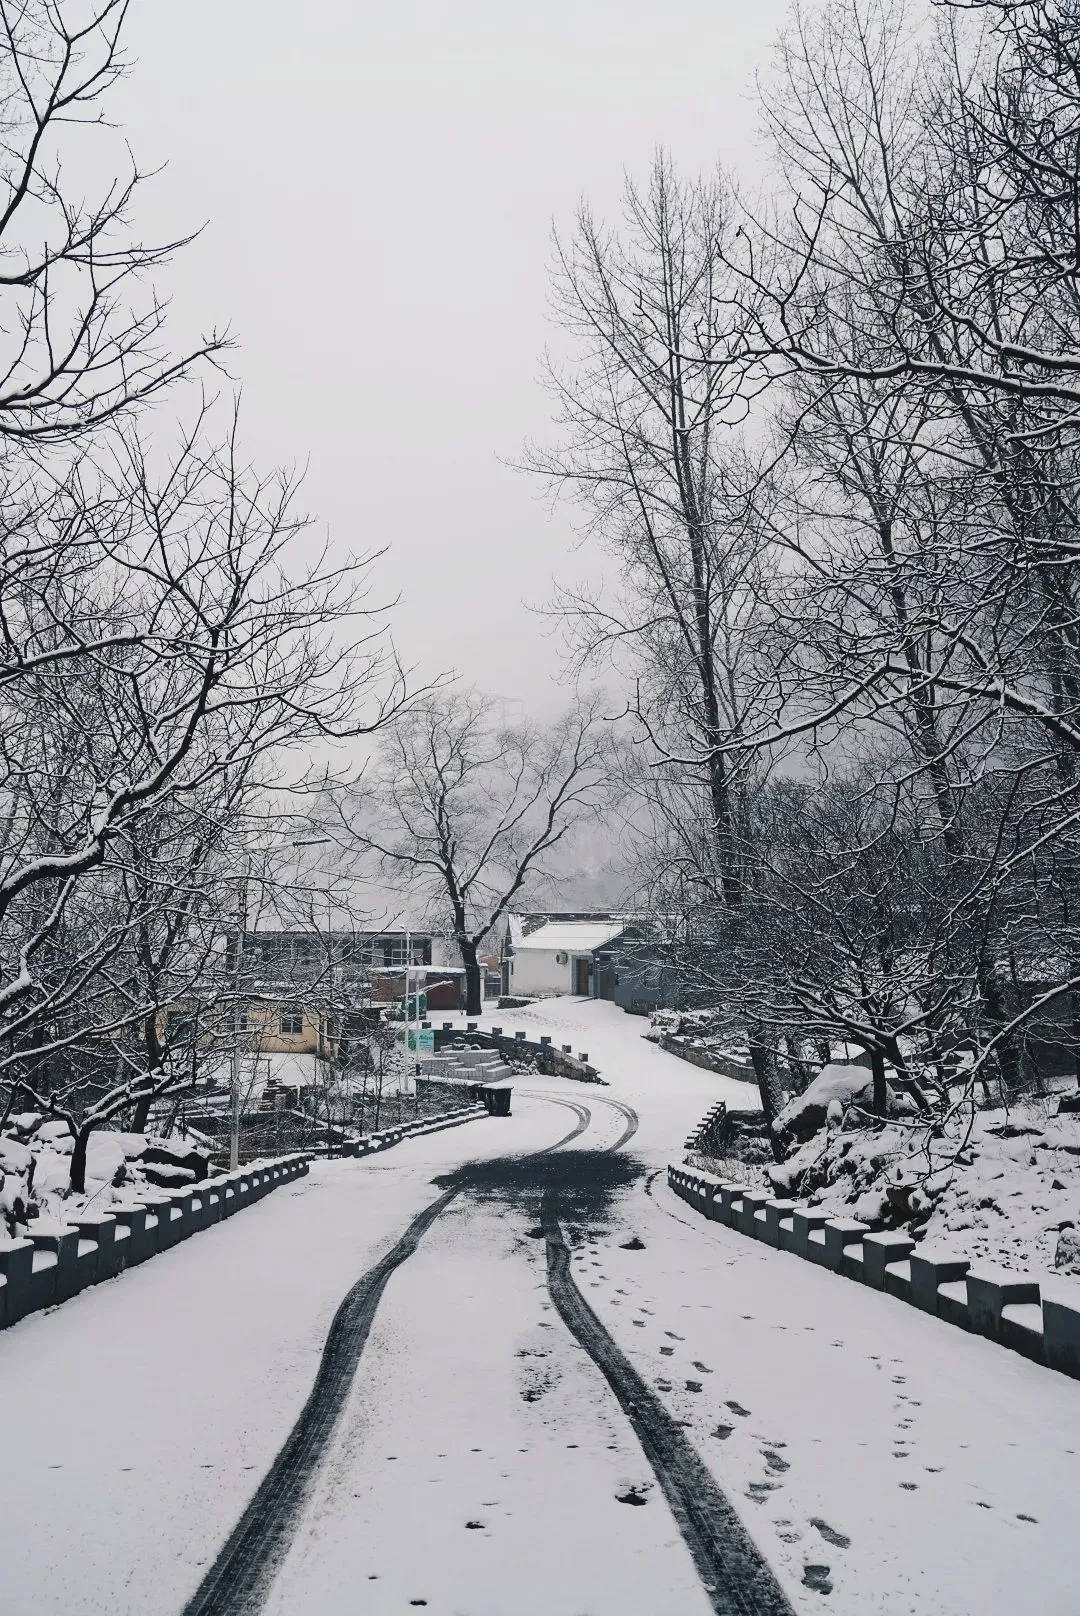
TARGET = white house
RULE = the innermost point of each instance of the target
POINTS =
(546, 955)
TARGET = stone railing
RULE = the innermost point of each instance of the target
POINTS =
(59, 1260)
(1004, 1307)
(371, 1142)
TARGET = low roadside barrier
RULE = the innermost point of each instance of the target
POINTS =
(56, 1261)
(383, 1140)
(1040, 1321)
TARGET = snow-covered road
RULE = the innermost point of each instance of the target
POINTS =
(480, 1462)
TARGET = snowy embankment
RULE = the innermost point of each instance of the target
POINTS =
(994, 1185)
(35, 1171)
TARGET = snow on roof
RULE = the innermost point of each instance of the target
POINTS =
(571, 936)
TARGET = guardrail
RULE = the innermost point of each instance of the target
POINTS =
(1042, 1323)
(57, 1261)
(386, 1137)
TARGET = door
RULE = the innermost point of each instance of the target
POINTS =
(581, 978)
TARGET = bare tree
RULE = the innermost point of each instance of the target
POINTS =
(83, 328)
(195, 662)
(464, 806)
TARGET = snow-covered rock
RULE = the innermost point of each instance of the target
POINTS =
(54, 1132)
(14, 1157)
(104, 1157)
(834, 1085)
(1067, 1252)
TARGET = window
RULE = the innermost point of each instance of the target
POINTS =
(292, 1019)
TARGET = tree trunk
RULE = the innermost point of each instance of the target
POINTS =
(797, 1065)
(474, 1000)
(1009, 1059)
(77, 1179)
(881, 1092)
(763, 1059)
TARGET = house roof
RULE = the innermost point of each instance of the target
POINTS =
(571, 936)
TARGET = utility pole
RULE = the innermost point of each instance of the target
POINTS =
(408, 1015)
(234, 1060)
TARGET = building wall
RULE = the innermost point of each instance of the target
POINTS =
(265, 1034)
(535, 972)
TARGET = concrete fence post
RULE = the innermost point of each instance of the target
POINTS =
(101, 1229)
(753, 1202)
(778, 1221)
(170, 1221)
(930, 1269)
(17, 1276)
(840, 1235)
(137, 1246)
(805, 1220)
(989, 1291)
(879, 1250)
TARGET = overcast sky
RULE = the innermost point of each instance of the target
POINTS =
(378, 183)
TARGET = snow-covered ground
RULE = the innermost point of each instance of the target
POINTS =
(998, 1186)
(480, 1461)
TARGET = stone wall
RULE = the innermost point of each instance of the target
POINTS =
(543, 1054)
(710, 1059)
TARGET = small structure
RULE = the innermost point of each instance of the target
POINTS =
(545, 955)
(634, 970)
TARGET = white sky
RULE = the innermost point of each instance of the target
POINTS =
(378, 183)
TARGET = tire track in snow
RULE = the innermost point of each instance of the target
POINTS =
(239, 1579)
(630, 1118)
(737, 1578)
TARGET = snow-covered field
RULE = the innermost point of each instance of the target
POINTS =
(480, 1461)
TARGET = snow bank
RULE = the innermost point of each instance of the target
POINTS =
(35, 1171)
(995, 1186)
(807, 1112)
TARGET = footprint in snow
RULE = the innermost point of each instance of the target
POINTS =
(838, 1540)
(668, 1352)
(1030, 1518)
(737, 1408)
(817, 1577)
(775, 1463)
(723, 1432)
(633, 1245)
(702, 1368)
(760, 1490)
(787, 1532)
(633, 1495)
(673, 1336)
(693, 1385)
